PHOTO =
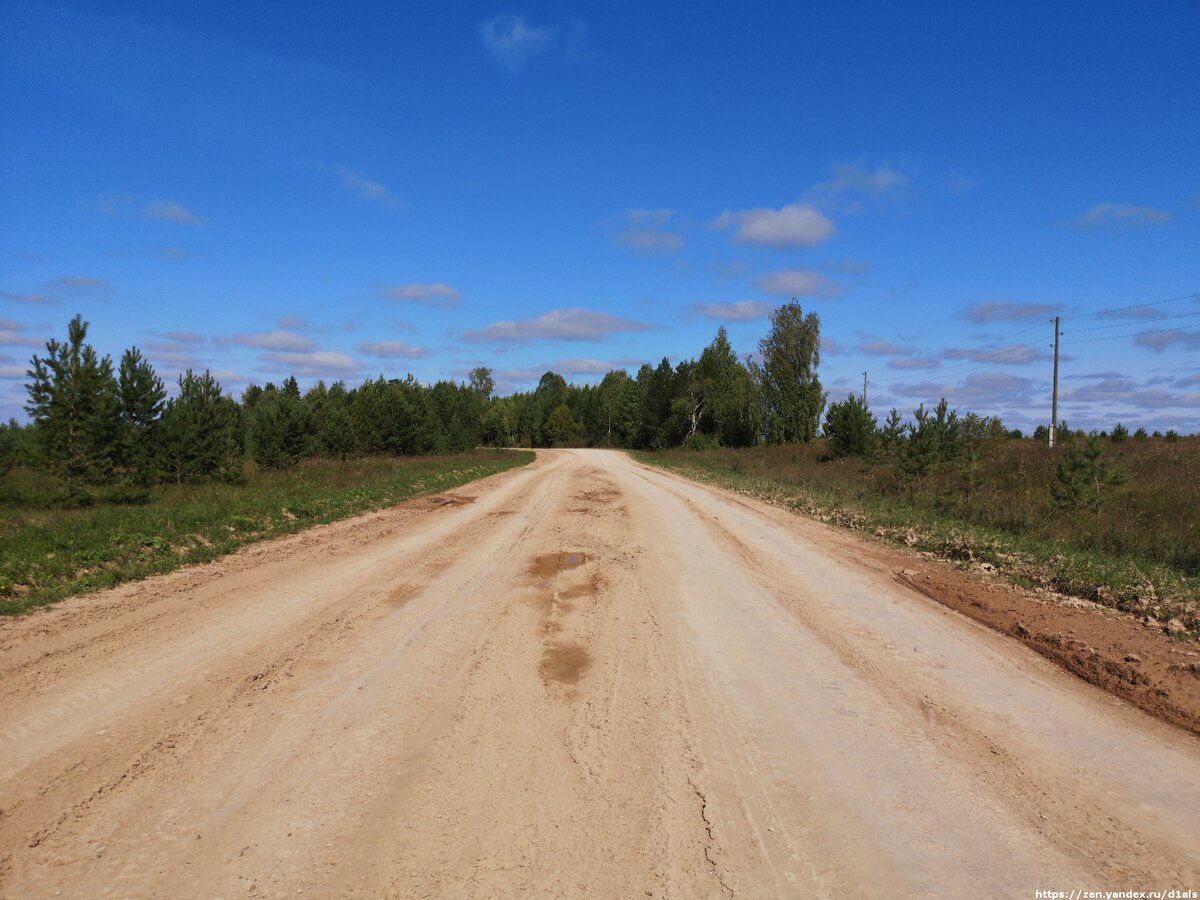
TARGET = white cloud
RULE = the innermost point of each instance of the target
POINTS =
(830, 347)
(184, 337)
(1165, 340)
(12, 334)
(1004, 311)
(980, 392)
(557, 325)
(909, 362)
(654, 218)
(648, 240)
(737, 311)
(1121, 216)
(80, 284)
(581, 366)
(273, 340)
(32, 299)
(314, 364)
(797, 225)
(357, 183)
(646, 233)
(170, 211)
(853, 183)
(512, 41)
(885, 348)
(798, 283)
(1120, 389)
(1014, 355)
(437, 294)
(392, 350)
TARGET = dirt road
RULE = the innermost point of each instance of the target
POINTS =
(581, 677)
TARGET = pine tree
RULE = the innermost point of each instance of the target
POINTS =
(73, 404)
(891, 435)
(140, 394)
(1081, 476)
(201, 431)
(850, 428)
(934, 440)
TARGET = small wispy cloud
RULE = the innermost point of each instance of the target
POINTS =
(574, 324)
(436, 294)
(272, 340)
(30, 299)
(979, 390)
(737, 311)
(1121, 216)
(170, 211)
(579, 366)
(799, 283)
(1166, 340)
(357, 183)
(796, 225)
(885, 348)
(852, 185)
(911, 362)
(649, 241)
(512, 41)
(1005, 311)
(81, 283)
(645, 232)
(392, 350)
(13, 334)
(1014, 355)
(310, 364)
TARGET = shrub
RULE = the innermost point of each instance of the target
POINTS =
(849, 428)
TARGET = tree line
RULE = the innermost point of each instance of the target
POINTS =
(96, 423)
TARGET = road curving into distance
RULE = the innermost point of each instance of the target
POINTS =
(580, 677)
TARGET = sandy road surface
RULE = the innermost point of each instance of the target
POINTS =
(581, 677)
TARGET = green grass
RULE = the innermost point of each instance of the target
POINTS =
(1140, 553)
(48, 553)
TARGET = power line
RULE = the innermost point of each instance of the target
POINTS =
(1133, 324)
(1105, 312)
(1119, 337)
(1002, 356)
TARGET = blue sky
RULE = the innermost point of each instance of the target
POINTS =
(338, 192)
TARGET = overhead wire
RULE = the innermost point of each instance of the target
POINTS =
(1133, 324)
(1105, 312)
(1118, 337)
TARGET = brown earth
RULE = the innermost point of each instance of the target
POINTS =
(587, 677)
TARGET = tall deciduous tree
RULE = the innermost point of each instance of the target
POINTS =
(791, 392)
(73, 404)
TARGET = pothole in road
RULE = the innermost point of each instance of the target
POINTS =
(564, 662)
(547, 565)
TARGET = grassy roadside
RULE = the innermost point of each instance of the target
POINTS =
(47, 554)
(1155, 590)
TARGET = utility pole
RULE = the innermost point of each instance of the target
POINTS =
(1054, 395)
(864, 388)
